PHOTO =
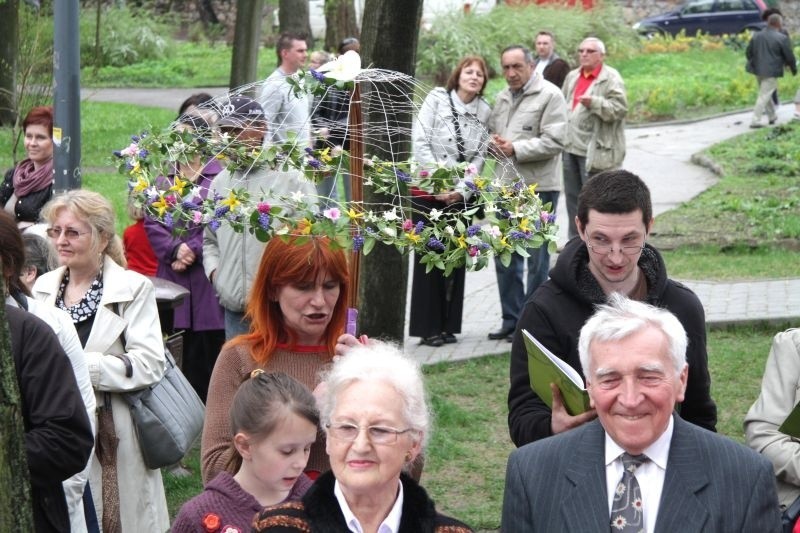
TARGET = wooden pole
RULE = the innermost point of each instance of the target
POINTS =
(356, 135)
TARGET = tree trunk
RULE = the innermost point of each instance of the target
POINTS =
(293, 17)
(246, 42)
(388, 41)
(208, 15)
(9, 29)
(340, 22)
(15, 492)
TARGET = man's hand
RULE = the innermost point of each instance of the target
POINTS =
(449, 197)
(561, 420)
(185, 254)
(503, 146)
(586, 100)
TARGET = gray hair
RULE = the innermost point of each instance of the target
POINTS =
(39, 253)
(600, 45)
(775, 20)
(622, 317)
(526, 52)
(380, 361)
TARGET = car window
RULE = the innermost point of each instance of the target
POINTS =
(734, 5)
(698, 6)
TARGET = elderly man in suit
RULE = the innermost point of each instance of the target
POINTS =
(637, 467)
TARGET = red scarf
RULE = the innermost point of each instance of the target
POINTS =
(27, 179)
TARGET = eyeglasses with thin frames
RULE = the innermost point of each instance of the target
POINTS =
(587, 51)
(69, 233)
(376, 434)
(605, 249)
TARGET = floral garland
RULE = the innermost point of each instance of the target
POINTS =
(516, 220)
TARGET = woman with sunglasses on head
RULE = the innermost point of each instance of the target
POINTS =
(115, 314)
(29, 185)
(376, 417)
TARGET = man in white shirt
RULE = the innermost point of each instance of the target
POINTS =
(284, 110)
(637, 467)
(548, 64)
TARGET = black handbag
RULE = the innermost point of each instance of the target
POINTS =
(790, 515)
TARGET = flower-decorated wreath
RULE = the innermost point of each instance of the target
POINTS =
(515, 219)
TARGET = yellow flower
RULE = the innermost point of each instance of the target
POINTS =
(141, 184)
(504, 242)
(353, 214)
(179, 185)
(532, 188)
(462, 241)
(324, 155)
(480, 183)
(413, 237)
(160, 205)
(523, 224)
(231, 201)
(304, 226)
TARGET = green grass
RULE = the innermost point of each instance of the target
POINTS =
(712, 262)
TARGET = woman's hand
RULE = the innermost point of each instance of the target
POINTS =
(450, 197)
(185, 254)
(347, 341)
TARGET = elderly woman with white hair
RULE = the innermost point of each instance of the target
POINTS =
(374, 411)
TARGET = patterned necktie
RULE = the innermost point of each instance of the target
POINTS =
(626, 511)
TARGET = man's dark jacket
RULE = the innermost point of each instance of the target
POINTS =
(768, 52)
(58, 437)
(558, 310)
(556, 70)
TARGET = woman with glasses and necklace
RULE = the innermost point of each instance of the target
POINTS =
(115, 314)
(377, 420)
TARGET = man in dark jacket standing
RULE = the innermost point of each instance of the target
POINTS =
(615, 216)
(548, 63)
(767, 53)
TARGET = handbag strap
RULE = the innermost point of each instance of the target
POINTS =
(124, 358)
(457, 126)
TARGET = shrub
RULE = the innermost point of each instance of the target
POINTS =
(455, 35)
(126, 36)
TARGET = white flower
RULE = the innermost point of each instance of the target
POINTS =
(389, 216)
(449, 230)
(471, 170)
(344, 68)
(492, 230)
(370, 216)
(297, 196)
(435, 215)
(490, 207)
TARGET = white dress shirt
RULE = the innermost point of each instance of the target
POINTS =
(390, 524)
(650, 475)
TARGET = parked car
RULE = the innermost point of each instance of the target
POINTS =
(715, 17)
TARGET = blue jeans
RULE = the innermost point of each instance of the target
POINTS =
(235, 324)
(509, 279)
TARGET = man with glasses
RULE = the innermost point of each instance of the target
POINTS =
(597, 104)
(614, 217)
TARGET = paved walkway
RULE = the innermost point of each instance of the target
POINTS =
(662, 155)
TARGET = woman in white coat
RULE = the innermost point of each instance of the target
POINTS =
(450, 129)
(115, 314)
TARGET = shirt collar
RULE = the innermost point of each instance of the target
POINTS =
(390, 524)
(524, 87)
(658, 452)
(593, 74)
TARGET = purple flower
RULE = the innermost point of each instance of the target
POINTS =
(358, 241)
(402, 176)
(221, 211)
(504, 213)
(520, 235)
(435, 244)
(309, 150)
(135, 138)
(473, 230)
(314, 163)
(189, 205)
(214, 225)
(118, 153)
(317, 75)
(518, 186)
(143, 153)
(471, 186)
(168, 221)
(483, 245)
(263, 220)
(418, 227)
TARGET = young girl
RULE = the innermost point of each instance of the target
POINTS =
(274, 421)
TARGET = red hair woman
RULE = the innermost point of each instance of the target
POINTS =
(297, 310)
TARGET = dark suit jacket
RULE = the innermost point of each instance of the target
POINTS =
(712, 484)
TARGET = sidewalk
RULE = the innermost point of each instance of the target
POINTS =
(662, 155)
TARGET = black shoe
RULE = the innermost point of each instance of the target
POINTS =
(501, 334)
(435, 341)
(449, 338)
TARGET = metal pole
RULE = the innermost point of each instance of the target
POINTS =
(66, 96)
